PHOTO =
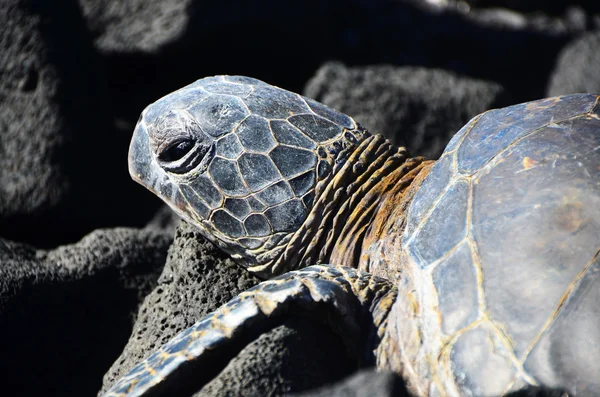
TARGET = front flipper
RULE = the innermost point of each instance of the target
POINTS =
(354, 304)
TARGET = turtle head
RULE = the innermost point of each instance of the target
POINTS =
(241, 160)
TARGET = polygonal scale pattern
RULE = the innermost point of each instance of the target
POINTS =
(506, 229)
(263, 141)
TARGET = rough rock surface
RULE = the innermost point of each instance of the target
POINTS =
(298, 355)
(135, 25)
(197, 279)
(577, 67)
(414, 107)
(366, 383)
(66, 313)
(56, 180)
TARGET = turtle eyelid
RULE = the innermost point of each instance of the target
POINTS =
(175, 150)
(184, 155)
(170, 138)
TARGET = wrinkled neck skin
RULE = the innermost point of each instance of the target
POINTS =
(371, 238)
(358, 208)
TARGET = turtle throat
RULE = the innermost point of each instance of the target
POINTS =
(345, 206)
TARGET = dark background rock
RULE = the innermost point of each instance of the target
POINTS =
(298, 355)
(284, 43)
(136, 25)
(366, 383)
(404, 103)
(66, 313)
(196, 280)
(63, 168)
(578, 66)
(551, 7)
(76, 75)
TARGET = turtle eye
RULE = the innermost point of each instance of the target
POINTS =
(176, 150)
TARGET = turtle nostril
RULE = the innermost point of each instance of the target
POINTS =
(176, 150)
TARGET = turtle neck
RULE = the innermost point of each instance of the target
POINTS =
(350, 208)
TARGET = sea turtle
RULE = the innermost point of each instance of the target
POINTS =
(476, 274)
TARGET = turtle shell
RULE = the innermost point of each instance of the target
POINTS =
(501, 246)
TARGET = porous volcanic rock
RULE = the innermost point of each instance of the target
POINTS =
(63, 168)
(298, 355)
(365, 383)
(197, 279)
(67, 312)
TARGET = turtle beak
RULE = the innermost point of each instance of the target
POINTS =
(140, 167)
(144, 170)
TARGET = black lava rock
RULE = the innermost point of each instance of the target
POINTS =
(366, 383)
(577, 67)
(66, 313)
(62, 163)
(298, 355)
(197, 279)
(413, 107)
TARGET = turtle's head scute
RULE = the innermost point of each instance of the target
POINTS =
(240, 159)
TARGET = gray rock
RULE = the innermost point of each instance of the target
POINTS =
(66, 313)
(58, 175)
(414, 107)
(576, 69)
(573, 19)
(298, 355)
(34, 131)
(197, 279)
(135, 25)
(366, 383)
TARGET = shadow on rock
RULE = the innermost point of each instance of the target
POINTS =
(66, 313)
